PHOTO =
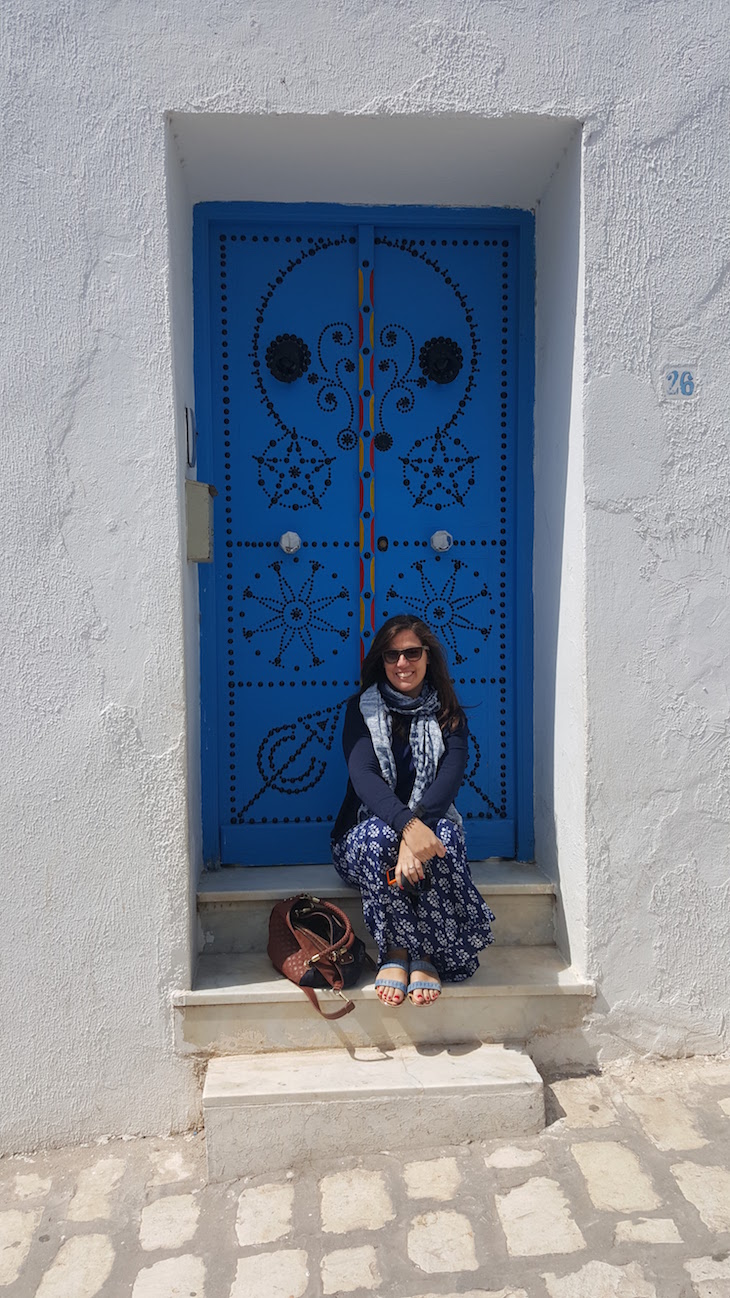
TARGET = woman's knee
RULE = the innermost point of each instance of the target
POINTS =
(450, 834)
(377, 829)
(380, 839)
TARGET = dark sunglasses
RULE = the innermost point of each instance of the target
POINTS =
(412, 655)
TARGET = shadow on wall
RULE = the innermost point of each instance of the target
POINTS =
(558, 552)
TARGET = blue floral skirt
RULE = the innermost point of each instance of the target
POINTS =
(448, 925)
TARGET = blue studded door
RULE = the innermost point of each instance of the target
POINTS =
(364, 396)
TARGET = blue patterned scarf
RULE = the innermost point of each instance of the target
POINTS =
(426, 739)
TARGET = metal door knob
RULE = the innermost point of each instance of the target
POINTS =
(442, 541)
(290, 542)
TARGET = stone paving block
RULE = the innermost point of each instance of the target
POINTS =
(80, 1268)
(264, 1214)
(94, 1188)
(478, 1293)
(536, 1220)
(31, 1186)
(175, 1277)
(511, 1156)
(271, 1275)
(647, 1230)
(668, 1122)
(614, 1177)
(169, 1166)
(438, 1178)
(169, 1223)
(601, 1280)
(708, 1189)
(710, 1276)
(442, 1242)
(346, 1269)
(16, 1236)
(355, 1200)
(584, 1102)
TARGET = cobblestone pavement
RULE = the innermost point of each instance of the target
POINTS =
(626, 1194)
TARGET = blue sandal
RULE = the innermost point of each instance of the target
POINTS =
(424, 966)
(388, 982)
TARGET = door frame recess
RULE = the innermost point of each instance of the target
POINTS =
(523, 225)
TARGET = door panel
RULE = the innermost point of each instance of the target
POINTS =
(445, 348)
(357, 390)
(288, 642)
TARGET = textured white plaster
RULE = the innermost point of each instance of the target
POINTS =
(100, 796)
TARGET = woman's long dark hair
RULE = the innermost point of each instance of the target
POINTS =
(373, 671)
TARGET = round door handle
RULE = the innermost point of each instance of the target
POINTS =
(290, 542)
(442, 541)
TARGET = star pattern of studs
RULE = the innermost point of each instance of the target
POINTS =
(438, 470)
(444, 610)
(294, 471)
(296, 614)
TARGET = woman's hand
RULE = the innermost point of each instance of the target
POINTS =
(407, 866)
(422, 841)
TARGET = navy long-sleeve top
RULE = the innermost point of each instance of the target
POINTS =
(366, 785)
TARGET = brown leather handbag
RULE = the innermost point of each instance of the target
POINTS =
(312, 943)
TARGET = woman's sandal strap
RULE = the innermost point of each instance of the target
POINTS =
(386, 982)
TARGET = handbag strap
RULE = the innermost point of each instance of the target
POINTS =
(338, 1014)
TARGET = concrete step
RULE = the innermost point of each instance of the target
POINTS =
(239, 1004)
(234, 905)
(262, 1116)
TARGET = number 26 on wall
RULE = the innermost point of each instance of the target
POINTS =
(679, 382)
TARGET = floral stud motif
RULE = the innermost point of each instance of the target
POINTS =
(440, 359)
(287, 358)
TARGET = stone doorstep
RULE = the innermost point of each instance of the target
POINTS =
(241, 1005)
(493, 878)
(506, 971)
(234, 904)
(260, 1115)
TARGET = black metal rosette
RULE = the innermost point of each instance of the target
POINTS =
(440, 359)
(287, 358)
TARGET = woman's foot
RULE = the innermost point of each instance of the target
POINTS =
(425, 988)
(391, 983)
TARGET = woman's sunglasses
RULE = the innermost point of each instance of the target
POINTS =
(391, 656)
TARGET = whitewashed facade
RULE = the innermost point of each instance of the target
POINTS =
(611, 122)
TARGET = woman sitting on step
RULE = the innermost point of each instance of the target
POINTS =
(405, 741)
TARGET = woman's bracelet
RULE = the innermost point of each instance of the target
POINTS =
(412, 821)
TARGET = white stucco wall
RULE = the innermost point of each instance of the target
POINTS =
(99, 799)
